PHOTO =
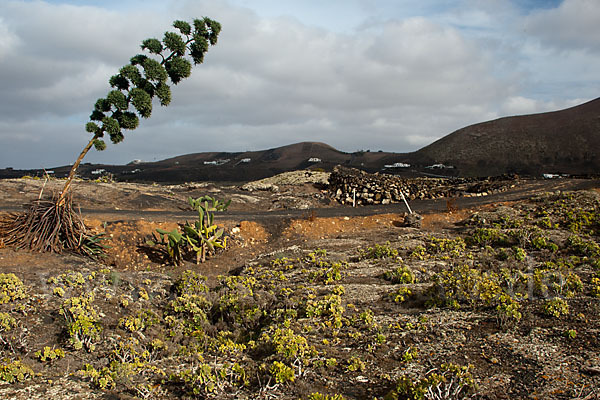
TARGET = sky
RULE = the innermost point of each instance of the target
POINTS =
(392, 75)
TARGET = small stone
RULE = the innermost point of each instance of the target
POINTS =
(413, 220)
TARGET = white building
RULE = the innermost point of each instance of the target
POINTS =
(440, 166)
(217, 162)
(397, 165)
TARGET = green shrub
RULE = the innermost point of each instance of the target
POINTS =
(519, 253)
(464, 284)
(282, 373)
(287, 344)
(191, 283)
(448, 248)
(198, 381)
(487, 237)
(596, 287)
(139, 322)
(319, 396)
(11, 288)
(7, 322)
(355, 364)
(203, 237)
(541, 243)
(191, 311)
(400, 274)
(14, 371)
(49, 354)
(329, 308)
(581, 247)
(82, 320)
(401, 295)
(556, 307)
(570, 333)
(102, 379)
(378, 252)
(69, 279)
(507, 311)
(449, 378)
(328, 273)
(419, 253)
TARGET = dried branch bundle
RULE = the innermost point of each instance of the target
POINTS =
(49, 226)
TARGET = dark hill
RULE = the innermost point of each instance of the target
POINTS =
(245, 166)
(566, 141)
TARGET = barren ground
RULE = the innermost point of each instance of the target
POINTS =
(314, 297)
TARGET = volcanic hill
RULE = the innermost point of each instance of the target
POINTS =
(559, 142)
(566, 141)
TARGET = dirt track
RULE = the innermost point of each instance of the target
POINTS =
(113, 202)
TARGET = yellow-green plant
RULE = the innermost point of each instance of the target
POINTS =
(378, 251)
(596, 286)
(400, 274)
(487, 237)
(329, 308)
(11, 288)
(556, 307)
(287, 343)
(448, 378)
(320, 396)
(507, 311)
(329, 272)
(570, 333)
(49, 354)
(205, 380)
(281, 372)
(355, 364)
(139, 322)
(82, 320)
(7, 323)
(400, 295)
(103, 378)
(14, 371)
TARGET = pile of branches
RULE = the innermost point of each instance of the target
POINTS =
(50, 225)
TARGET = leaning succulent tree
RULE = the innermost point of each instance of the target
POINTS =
(52, 225)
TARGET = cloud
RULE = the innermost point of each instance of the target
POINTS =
(280, 71)
(8, 40)
(396, 83)
(519, 105)
(575, 24)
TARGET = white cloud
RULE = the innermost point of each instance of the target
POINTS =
(575, 24)
(8, 40)
(519, 105)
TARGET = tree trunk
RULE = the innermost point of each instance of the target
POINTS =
(63, 193)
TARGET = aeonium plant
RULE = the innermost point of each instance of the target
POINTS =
(53, 225)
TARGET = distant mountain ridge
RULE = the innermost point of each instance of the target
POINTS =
(558, 142)
(565, 141)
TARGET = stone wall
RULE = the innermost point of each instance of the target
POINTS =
(350, 186)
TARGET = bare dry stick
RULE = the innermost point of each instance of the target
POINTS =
(46, 179)
(63, 193)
